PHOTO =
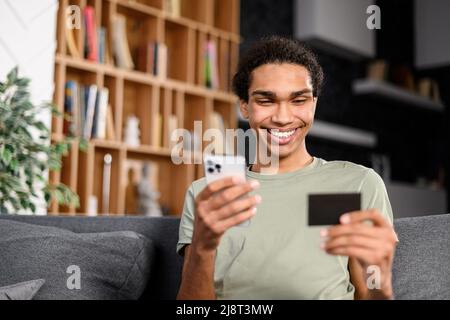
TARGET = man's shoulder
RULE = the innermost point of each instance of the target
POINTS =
(198, 185)
(368, 176)
(345, 167)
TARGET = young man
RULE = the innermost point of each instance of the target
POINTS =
(278, 256)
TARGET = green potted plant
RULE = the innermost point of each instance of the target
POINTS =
(26, 154)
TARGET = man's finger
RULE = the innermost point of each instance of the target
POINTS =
(351, 240)
(349, 229)
(237, 219)
(232, 193)
(218, 185)
(236, 207)
(353, 251)
(373, 215)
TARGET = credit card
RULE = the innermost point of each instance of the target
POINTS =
(325, 209)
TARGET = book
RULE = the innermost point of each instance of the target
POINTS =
(99, 128)
(145, 58)
(162, 60)
(71, 43)
(155, 58)
(211, 65)
(172, 125)
(157, 127)
(71, 108)
(377, 70)
(424, 87)
(90, 110)
(214, 65)
(101, 36)
(121, 47)
(110, 127)
(91, 45)
(82, 110)
(173, 7)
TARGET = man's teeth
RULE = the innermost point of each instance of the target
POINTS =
(282, 134)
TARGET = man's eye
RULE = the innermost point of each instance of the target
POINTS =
(265, 102)
(302, 101)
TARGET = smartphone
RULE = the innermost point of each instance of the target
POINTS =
(222, 166)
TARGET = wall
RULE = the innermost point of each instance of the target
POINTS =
(27, 39)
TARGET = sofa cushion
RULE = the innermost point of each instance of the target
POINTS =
(21, 291)
(108, 265)
(422, 258)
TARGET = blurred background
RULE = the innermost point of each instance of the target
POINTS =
(392, 83)
(127, 72)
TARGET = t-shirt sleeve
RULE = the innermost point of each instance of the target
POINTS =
(187, 221)
(375, 196)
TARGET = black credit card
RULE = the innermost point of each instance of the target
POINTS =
(325, 209)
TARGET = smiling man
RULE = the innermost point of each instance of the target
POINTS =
(278, 256)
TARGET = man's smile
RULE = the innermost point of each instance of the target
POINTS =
(282, 136)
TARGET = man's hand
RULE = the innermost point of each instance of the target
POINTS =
(219, 206)
(370, 245)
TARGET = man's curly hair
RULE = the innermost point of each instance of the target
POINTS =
(276, 49)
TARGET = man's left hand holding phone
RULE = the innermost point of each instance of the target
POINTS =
(224, 202)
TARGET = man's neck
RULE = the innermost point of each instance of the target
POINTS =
(295, 161)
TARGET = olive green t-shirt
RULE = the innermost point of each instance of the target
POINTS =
(278, 255)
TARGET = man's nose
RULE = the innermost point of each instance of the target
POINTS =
(282, 114)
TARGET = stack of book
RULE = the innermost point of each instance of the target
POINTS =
(94, 39)
(152, 58)
(89, 115)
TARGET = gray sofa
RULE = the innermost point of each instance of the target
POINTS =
(421, 266)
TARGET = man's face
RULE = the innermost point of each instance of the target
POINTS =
(281, 102)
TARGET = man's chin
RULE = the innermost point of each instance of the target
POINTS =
(280, 151)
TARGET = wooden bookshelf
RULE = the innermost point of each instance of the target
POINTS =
(182, 94)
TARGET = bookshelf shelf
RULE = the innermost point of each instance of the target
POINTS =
(391, 92)
(145, 7)
(133, 80)
(142, 77)
(335, 132)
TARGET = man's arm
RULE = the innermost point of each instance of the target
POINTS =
(218, 207)
(369, 248)
(359, 281)
(198, 275)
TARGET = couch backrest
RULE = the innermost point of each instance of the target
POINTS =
(421, 266)
(166, 271)
(422, 259)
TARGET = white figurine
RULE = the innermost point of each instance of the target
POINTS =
(147, 195)
(132, 132)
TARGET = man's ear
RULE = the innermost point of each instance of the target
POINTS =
(243, 106)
